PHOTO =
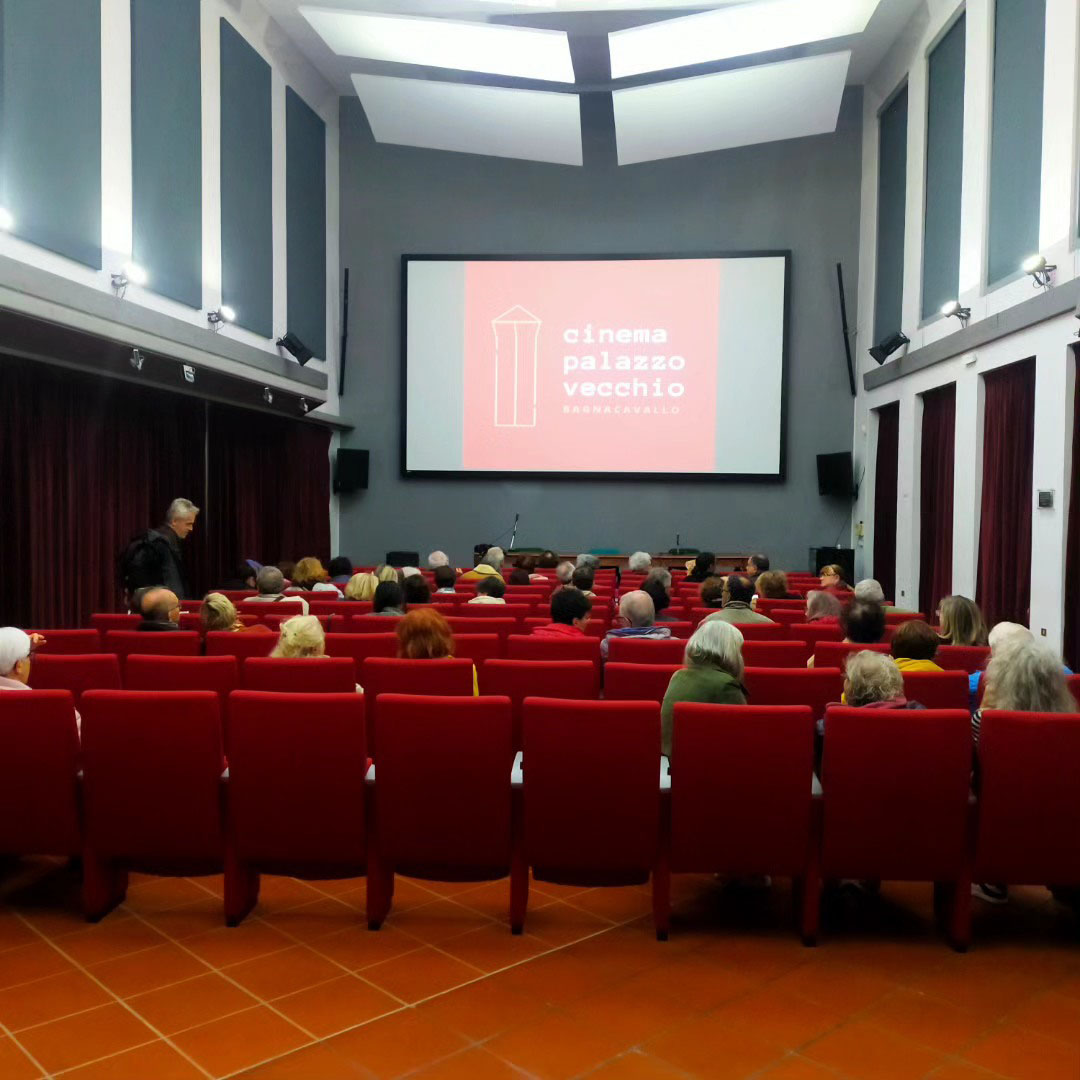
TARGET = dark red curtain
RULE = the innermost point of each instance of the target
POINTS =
(1004, 589)
(885, 493)
(1072, 550)
(936, 500)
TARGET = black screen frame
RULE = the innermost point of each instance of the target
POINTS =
(779, 477)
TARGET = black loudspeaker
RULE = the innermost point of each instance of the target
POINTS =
(350, 471)
(826, 556)
(403, 558)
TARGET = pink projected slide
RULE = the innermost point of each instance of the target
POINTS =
(591, 366)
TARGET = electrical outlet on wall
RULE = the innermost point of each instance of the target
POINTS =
(1043, 631)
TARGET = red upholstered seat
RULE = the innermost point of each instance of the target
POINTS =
(167, 643)
(240, 645)
(937, 689)
(969, 658)
(816, 632)
(442, 793)
(296, 790)
(637, 682)
(835, 653)
(94, 671)
(665, 651)
(307, 675)
(741, 799)
(60, 642)
(591, 793)
(895, 618)
(479, 647)
(373, 624)
(517, 680)
(39, 764)
(152, 765)
(217, 673)
(275, 620)
(483, 624)
(896, 800)
(816, 687)
(360, 646)
(109, 621)
(680, 629)
(793, 654)
(532, 647)
(1074, 686)
(765, 632)
(787, 616)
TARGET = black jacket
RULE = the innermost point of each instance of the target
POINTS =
(161, 562)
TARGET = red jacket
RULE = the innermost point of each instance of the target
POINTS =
(557, 630)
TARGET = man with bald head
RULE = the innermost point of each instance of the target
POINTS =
(636, 619)
(160, 610)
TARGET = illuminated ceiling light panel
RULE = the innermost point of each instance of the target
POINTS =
(752, 105)
(517, 52)
(536, 125)
(734, 31)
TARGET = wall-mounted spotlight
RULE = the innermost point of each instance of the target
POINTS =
(189, 373)
(881, 352)
(7, 219)
(304, 406)
(136, 359)
(217, 319)
(291, 343)
(1040, 270)
(268, 395)
(132, 274)
(954, 310)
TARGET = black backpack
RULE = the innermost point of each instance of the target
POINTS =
(137, 555)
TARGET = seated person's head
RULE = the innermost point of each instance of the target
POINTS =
(1025, 675)
(309, 572)
(583, 578)
(822, 605)
(565, 571)
(243, 577)
(716, 644)
(869, 589)
(424, 635)
(757, 564)
(386, 573)
(639, 563)
(914, 640)
(287, 568)
(772, 585)
(416, 590)
(712, 592)
(494, 557)
(437, 559)
(445, 578)
(961, 622)
(388, 594)
(660, 575)
(738, 589)
(589, 561)
(703, 565)
(340, 566)
(1005, 632)
(637, 609)
(871, 677)
(491, 586)
(654, 589)
(526, 563)
(161, 605)
(270, 581)
(302, 636)
(138, 598)
(832, 576)
(14, 654)
(864, 622)
(571, 607)
(361, 587)
(548, 561)
(217, 613)
(519, 576)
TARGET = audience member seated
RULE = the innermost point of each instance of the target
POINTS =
(311, 576)
(362, 587)
(773, 585)
(520, 576)
(243, 577)
(636, 619)
(1002, 633)
(219, 613)
(445, 579)
(387, 573)
(869, 589)
(583, 578)
(863, 623)
(389, 599)
(287, 568)
(490, 590)
(15, 649)
(340, 569)
(426, 635)
(914, 646)
(301, 637)
(961, 622)
(737, 594)
(437, 559)
(564, 572)
(416, 590)
(548, 561)
(757, 564)
(873, 681)
(712, 592)
(713, 673)
(135, 605)
(569, 615)
(639, 563)
(589, 562)
(822, 607)
(408, 572)
(832, 580)
(271, 585)
(701, 568)
(657, 584)
(489, 566)
(160, 610)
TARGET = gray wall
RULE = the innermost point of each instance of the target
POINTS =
(802, 195)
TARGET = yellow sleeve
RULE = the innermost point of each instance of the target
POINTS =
(475, 687)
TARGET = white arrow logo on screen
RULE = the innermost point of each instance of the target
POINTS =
(517, 347)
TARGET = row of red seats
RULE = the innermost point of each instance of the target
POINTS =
(583, 805)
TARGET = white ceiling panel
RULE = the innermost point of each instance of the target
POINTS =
(517, 52)
(536, 125)
(734, 31)
(762, 104)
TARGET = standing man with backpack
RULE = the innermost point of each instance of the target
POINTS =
(156, 557)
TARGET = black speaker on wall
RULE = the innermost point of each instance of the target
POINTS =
(350, 471)
(830, 556)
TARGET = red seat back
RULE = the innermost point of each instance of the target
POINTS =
(637, 682)
(592, 805)
(443, 783)
(969, 658)
(39, 764)
(483, 624)
(896, 786)
(240, 645)
(937, 689)
(764, 631)
(1074, 686)
(152, 766)
(816, 632)
(740, 788)
(95, 671)
(296, 778)
(373, 624)
(479, 647)
(895, 618)
(816, 687)
(517, 680)
(792, 654)
(666, 651)
(110, 621)
(68, 642)
(532, 647)
(835, 653)
(307, 675)
(217, 673)
(1029, 799)
(360, 646)
(167, 643)
(787, 616)
(680, 629)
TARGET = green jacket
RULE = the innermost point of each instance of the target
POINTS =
(710, 685)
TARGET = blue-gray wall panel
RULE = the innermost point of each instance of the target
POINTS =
(944, 170)
(305, 222)
(1016, 135)
(892, 203)
(166, 146)
(50, 132)
(247, 241)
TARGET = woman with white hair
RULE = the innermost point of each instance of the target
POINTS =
(302, 638)
(713, 674)
(15, 649)
(564, 572)
(873, 681)
(639, 563)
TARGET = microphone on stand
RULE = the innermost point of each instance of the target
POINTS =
(514, 536)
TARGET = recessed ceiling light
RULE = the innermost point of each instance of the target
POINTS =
(136, 274)
(7, 219)
(734, 31)
(517, 52)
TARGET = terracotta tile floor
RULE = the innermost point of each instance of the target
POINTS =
(160, 989)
